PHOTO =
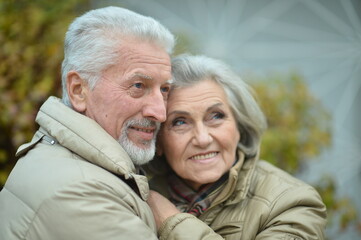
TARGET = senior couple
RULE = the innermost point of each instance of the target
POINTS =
(80, 177)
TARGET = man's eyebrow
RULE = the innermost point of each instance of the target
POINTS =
(146, 77)
(140, 75)
(170, 81)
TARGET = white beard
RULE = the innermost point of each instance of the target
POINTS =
(139, 155)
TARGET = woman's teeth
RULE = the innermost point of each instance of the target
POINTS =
(204, 156)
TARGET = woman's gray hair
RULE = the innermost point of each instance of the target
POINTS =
(92, 41)
(188, 70)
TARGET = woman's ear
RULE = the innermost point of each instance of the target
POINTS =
(77, 90)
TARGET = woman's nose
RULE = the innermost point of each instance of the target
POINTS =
(202, 137)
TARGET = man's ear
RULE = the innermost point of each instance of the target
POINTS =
(77, 90)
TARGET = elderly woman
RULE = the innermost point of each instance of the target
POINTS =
(208, 166)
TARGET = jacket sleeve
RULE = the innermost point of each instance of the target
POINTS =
(186, 226)
(91, 210)
(296, 214)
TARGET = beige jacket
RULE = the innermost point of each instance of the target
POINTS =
(259, 201)
(74, 181)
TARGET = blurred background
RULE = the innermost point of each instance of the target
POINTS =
(303, 58)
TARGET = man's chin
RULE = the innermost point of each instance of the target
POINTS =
(140, 153)
(140, 142)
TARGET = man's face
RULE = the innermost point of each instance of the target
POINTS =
(129, 101)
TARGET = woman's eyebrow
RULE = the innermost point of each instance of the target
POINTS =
(214, 106)
(178, 112)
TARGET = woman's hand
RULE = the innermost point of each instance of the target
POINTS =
(161, 207)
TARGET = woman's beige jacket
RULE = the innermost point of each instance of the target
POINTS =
(259, 201)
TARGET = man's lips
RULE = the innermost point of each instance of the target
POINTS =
(141, 129)
(144, 133)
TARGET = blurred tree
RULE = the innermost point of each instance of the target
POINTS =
(31, 51)
(342, 213)
(184, 44)
(299, 128)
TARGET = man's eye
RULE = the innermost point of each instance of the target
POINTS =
(138, 85)
(137, 89)
(165, 89)
(165, 92)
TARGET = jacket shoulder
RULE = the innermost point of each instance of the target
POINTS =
(47, 169)
(51, 177)
(270, 182)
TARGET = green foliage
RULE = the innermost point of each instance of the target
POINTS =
(298, 125)
(298, 130)
(31, 43)
(341, 210)
(183, 44)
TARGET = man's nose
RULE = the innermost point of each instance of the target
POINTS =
(155, 107)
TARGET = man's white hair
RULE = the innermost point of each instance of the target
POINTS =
(93, 39)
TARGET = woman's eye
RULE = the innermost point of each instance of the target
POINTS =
(178, 122)
(217, 115)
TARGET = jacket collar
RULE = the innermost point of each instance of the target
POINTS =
(239, 181)
(87, 139)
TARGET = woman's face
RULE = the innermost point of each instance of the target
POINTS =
(200, 135)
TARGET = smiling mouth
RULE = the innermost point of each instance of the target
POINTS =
(204, 156)
(143, 129)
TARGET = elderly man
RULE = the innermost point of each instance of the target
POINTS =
(78, 178)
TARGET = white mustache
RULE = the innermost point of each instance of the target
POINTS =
(143, 123)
